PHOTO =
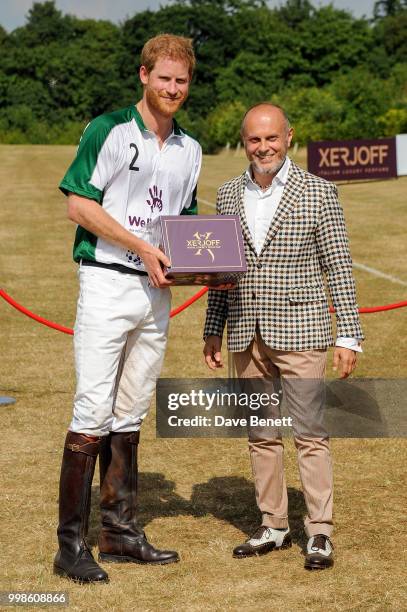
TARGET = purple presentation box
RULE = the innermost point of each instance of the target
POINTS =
(203, 249)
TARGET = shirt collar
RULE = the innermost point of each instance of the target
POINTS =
(281, 176)
(176, 130)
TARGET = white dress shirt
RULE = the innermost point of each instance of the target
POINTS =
(260, 207)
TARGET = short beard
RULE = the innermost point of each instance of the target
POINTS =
(270, 170)
(156, 102)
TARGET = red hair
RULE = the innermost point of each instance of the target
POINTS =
(168, 45)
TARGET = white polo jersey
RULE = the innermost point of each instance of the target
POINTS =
(120, 165)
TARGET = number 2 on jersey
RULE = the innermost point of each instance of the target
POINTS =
(135, 156)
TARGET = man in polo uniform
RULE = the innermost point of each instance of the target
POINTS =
(131, 166)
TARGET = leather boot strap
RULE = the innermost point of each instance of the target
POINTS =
(81, 443)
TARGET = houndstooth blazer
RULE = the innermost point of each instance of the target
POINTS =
(283, 290)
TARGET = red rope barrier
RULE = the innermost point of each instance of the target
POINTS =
(173, 313)
(32, 315)
(68, 330)
(369, 309)
(190, 301)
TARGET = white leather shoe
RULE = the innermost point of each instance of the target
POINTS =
(319, 552)
(264, 540)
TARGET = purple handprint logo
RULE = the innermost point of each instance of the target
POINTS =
(155, 201)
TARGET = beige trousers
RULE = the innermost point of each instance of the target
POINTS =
(314, 460)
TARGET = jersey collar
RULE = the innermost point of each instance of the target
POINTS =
(176, 130)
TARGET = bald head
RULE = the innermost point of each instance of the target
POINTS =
(264, 111)
(266, 134)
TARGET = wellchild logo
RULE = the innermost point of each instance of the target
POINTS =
(203, 242)
(138, 221)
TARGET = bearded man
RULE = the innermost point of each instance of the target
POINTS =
(132, 165)
(279, 324)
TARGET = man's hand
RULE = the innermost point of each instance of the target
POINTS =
(152, 260)
(345, 359)
(90, 215)
(212, 354)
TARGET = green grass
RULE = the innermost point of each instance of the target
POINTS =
(196, 495)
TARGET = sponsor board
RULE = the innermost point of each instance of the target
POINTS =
(353, 159)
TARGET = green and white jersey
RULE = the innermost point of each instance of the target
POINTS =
(120, 165)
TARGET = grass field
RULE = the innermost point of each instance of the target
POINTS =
(196, 495)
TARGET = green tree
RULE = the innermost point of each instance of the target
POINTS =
(247, 78)
(391, 34)
(315, 113)
(45, 23)
(363, 99)
(3, 35)
(296, 12)
(224, 124)
(338, 76)
(393, 121)
(388, 8)
(332, 41)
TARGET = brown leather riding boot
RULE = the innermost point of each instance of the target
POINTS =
(121, 540)
(74, 559)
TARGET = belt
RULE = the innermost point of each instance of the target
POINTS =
(113, 266)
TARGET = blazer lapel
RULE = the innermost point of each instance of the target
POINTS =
(291, 194)
(240, 209)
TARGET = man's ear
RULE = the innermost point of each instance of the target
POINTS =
(144, 74)
(290, 136)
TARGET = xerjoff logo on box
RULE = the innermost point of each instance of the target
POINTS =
(203, 242)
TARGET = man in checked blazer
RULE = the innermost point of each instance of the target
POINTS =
(278, 318)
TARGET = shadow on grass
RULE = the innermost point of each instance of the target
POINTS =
(227, 498)
(232, 499)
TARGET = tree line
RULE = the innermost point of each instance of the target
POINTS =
(337, 76)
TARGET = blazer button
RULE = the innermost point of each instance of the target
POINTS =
(259, 266)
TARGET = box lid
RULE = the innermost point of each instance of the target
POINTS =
(203, 243)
